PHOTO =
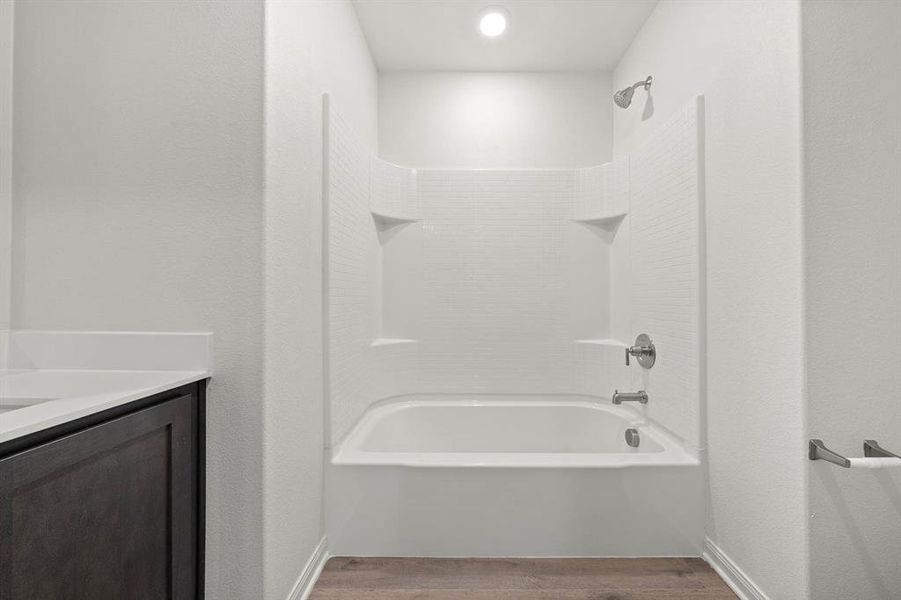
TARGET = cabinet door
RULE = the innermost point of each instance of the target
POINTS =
(107, 513)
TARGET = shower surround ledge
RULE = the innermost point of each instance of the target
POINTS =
(55, 377)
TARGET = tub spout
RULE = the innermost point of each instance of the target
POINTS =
(620, 397)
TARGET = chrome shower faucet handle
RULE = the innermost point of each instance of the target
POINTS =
(644, 350)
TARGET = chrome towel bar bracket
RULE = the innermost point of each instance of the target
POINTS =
(871, 448)
(817, 450)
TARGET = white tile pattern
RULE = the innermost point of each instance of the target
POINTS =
(602, 190)
(353, 277)
(495, 282)
(393, 189)
(495, 287)
(665, 258)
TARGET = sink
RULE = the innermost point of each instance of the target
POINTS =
(7, 404)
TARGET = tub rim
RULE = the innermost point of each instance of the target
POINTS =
(346, 453)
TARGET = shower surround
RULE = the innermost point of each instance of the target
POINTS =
(514, 285)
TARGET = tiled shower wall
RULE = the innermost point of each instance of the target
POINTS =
(666, 258)
(494, 283)
(510, 282)
(352, 275)
(489, 281)
(366, 260)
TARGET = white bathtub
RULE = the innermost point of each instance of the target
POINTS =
(511, 476)
(482, 431)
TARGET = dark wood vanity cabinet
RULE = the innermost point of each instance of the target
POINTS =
(109, 507)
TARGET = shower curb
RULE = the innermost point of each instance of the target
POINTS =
(734, 577)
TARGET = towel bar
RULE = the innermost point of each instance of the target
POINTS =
(817, 450)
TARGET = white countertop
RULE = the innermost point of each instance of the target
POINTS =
(51, 377)
(37, 399)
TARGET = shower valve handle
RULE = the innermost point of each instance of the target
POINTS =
(644, 350)
(637, 352)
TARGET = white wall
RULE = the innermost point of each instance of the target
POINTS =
(852, 222)
(311, 48)
(138, 137)
(142, 202)
(342, 65)
(744, 58)
(494, 120)
(6, 97)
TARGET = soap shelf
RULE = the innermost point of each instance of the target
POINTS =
(387, 226)
(385, 221)
(607, 222)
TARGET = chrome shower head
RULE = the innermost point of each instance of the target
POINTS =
(623, 98)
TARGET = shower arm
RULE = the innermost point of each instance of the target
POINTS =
(646, 84)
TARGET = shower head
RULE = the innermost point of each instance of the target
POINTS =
(623, 98)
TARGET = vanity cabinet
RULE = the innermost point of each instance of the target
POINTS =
(109, 507)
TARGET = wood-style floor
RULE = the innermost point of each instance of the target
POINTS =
(519, 579)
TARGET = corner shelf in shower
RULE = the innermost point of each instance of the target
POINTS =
(384, 222)
(607, 222)
(378, 342)
(387, 226)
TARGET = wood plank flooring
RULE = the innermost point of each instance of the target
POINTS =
(519, 579)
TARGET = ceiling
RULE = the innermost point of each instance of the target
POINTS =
(541, 35)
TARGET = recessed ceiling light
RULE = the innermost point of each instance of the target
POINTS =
(493, 23)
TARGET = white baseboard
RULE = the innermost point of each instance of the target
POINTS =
(304, 584)
(734, 577)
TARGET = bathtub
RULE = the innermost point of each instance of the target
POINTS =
(469, 475)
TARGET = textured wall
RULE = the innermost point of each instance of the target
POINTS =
(310, 47)
(486, 290)
(665, 228)
(373, 261)
(612, 179)
(6, 107)
(743, 56)
(495, 120)
(138, 136)
(353, 276)
(292, 345)
(852, 225)
(513, 281)
(394, 201)
(142, 202)
(510, 282)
